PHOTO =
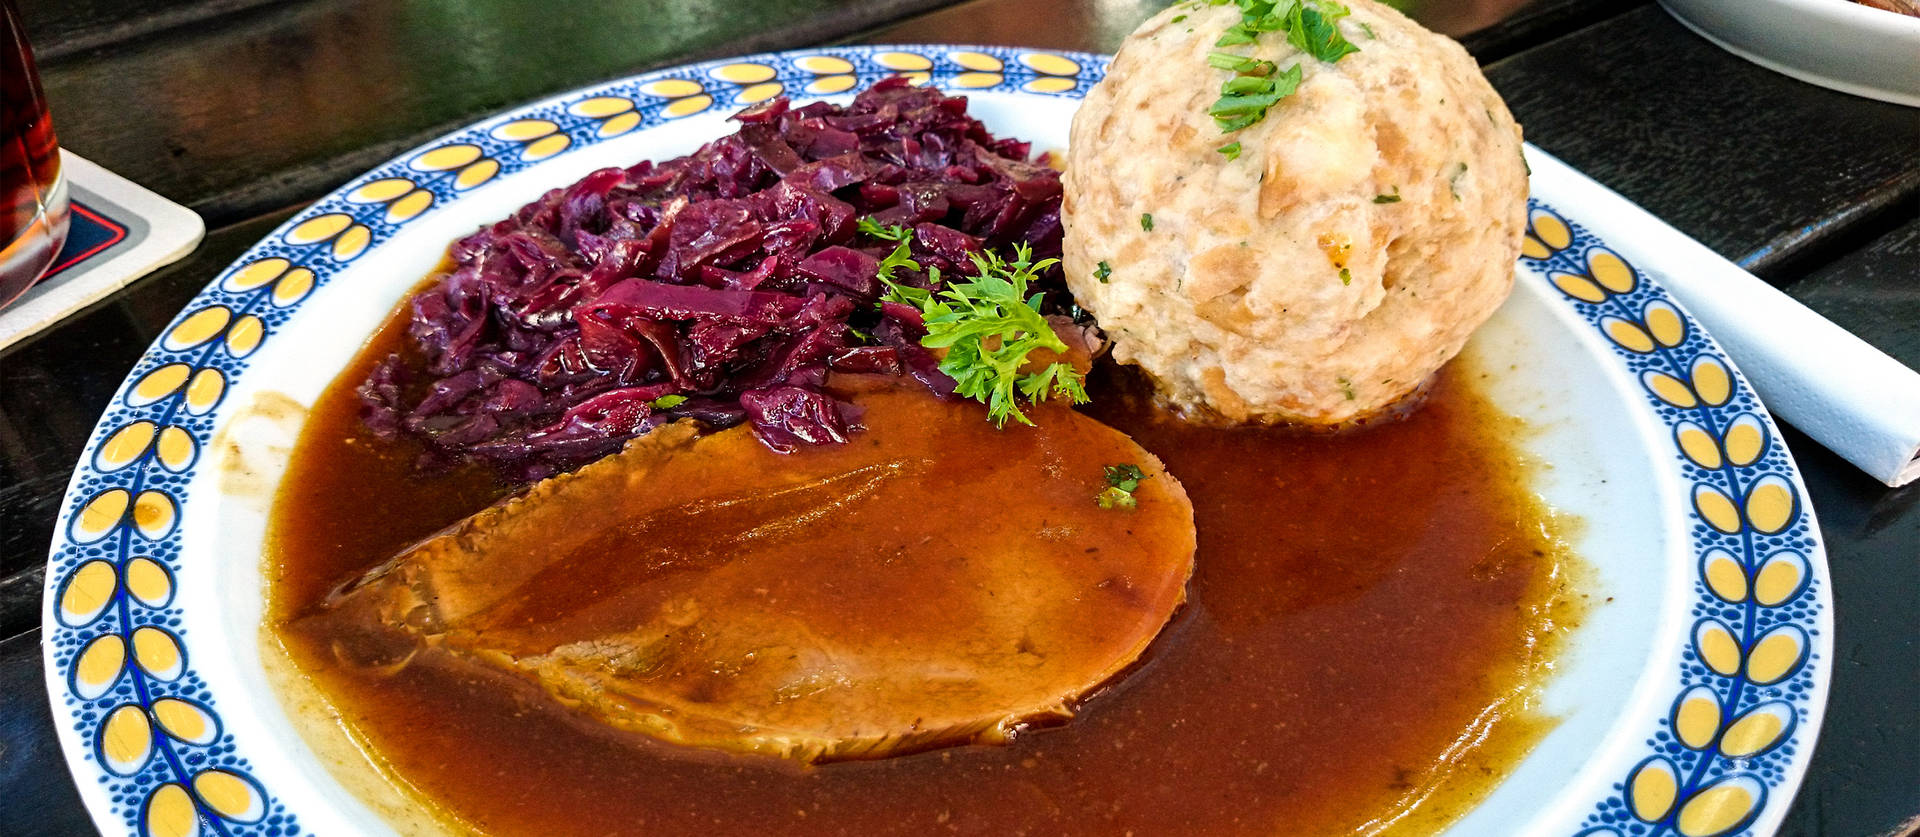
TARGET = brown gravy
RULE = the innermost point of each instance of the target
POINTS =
(1368, 619)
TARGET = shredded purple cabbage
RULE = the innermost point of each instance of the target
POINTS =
(733, 278)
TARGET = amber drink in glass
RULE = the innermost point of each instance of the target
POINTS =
(33, 193)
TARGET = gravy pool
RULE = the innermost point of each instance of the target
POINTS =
(1370, 617)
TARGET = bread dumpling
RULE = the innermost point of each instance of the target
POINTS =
(1368, 225)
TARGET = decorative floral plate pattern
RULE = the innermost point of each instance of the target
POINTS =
(142, 729)
(1751, 668)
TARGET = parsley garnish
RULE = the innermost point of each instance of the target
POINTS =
(890, 233)
(902, 256)
(1232, 150)
(1346, 276)
(667, 402)
(1346, 386)
(1178, 18)
(989, 325)
(1102, 272)
(1240, 64)
(1122, 481)
(1257, 85)
(1393, 198)
(1146, 221)
(1244, 99)
(1310, 27)
(1310, 21)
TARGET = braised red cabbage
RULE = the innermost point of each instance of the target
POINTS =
(720, 286)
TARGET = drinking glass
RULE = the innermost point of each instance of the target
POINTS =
(33, 192)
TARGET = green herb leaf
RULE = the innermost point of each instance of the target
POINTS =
(1232, 150)
(1393, 198)
(1257, 16)
(1056, 379)
(1228, 126)
(1125, 477)
(1102, 272)
(667, 402)
(1311, 29)
(1346, 276)
(989, 324)
(1122, 481)
(1310, 26)
(1235, 36)
(1244, 100)
(902, 256)
(1240, 64)
(1244, 86)
(1178, 18)
(1146, 221)
(1346, 387)
(891, 233)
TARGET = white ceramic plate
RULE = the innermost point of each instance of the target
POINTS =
(1833, 43)
(1687, 705)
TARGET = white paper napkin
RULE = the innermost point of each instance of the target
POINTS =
(1817, 376)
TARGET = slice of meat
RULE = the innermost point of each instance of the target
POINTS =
(935, 581)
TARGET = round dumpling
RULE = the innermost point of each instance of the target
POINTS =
(1368, 224)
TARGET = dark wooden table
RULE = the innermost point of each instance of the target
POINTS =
(245, 110)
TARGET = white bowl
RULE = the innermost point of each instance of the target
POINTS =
(1833, 43)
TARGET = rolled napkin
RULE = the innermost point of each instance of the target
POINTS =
(1817, 376)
